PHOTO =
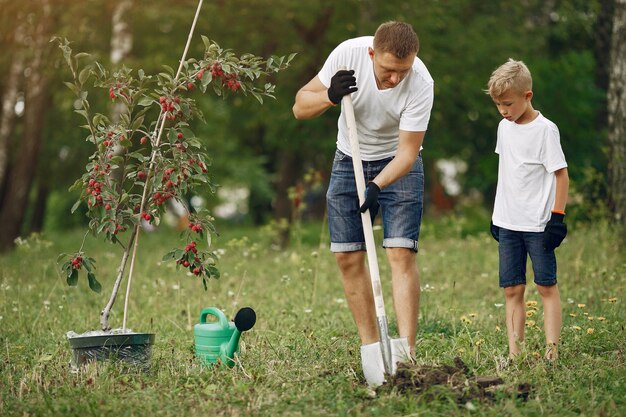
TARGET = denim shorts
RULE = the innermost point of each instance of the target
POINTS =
(400, 203)
(514, 248)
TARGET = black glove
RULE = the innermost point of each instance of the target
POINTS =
(342, 83)
(371, 197)
(555, 232)
(495, 231)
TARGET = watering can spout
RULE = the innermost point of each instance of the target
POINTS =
(244, 321)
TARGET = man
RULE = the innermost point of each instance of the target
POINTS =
(392, 93)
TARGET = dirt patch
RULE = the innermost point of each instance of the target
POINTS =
(457, 378)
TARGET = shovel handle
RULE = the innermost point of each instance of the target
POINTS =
(368, 232)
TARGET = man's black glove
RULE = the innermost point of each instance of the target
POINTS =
(371, 197)
(555, 232)
(342, 83)
(495, 231)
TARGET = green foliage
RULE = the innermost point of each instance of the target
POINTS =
(302, 357)
(144, 158)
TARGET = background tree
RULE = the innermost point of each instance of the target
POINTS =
(617, 115)
(265, 150)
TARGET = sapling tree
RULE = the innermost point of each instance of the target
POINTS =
(161, 159)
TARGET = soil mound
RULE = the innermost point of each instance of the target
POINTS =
(457, 378)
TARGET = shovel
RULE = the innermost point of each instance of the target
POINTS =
(378, 358)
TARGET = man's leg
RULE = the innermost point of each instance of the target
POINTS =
(406, 292)
(358, 289)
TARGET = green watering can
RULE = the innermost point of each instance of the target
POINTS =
(220, 340)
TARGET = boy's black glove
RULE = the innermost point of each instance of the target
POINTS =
(495, 231)
(371, 197)
(342, 83)
(555, 232)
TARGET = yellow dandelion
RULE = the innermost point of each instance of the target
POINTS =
(590, 330)
(536, 355)
(530, 323)
(601, 318)
(465, 320)
(461, 350)
(531, 303)
(585, 314)
(472, 315)
(479, 342)
(590, 318)
(582, 305)
(576, 327)
(613, 300)
(498, 329)
(572, 314)
(530, 313)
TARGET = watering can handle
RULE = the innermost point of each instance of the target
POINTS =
(216, 312)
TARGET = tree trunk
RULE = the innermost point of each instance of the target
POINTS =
(288, 172)
(39, 208)
(617, 116)
(25, 160)
(9, 99)
(121, 46)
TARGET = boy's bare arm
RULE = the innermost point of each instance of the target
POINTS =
(562, 189)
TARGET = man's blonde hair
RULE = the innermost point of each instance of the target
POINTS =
(397, 38)
(511, 76)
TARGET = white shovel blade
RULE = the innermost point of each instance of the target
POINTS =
(372, 363)
(372, 360)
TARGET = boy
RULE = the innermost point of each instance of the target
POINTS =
(530, 202)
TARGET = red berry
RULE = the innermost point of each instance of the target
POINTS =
(143, 140)
(107, 207)
(180, 135)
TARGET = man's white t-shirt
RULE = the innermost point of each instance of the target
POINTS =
(529, 155)
(379, 114)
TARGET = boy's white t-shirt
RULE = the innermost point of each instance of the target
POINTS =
(379, 114)
(529, 155)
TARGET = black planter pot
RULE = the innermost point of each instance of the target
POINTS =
(130, 348)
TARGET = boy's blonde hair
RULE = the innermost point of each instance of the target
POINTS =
(511, 76)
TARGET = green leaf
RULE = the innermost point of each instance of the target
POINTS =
(169, 69)
(75, 206)
(145, 101)
(72, 87)
(84, 75)
(93, 283)
(87, 262)
(72, 278)
(81, 55)
(169, 256)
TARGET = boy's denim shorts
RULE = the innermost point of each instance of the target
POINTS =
(400, 203)
(514, 248)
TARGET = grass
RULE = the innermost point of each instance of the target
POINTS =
(302, 357)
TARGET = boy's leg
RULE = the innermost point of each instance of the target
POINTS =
(358, 289)
(544, 267)
(515, 317)
(406, 292)
(512, 265)
(552, 318)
